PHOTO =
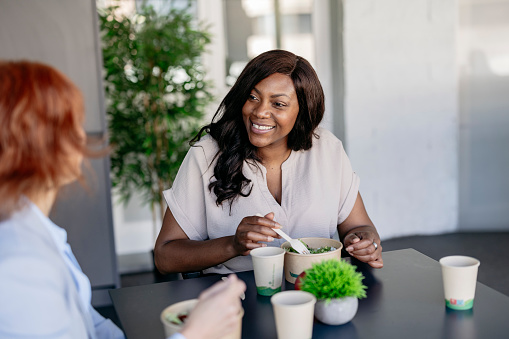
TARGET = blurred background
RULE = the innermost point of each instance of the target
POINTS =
(417, 90)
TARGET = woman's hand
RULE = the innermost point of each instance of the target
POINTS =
(359, 236)
(253, 230)
(360, 244)
(217, 311)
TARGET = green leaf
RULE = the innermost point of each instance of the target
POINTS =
(332, 279)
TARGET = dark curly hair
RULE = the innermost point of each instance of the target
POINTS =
(227, 126)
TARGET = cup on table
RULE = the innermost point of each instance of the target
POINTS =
(459, 274)
(294, 311)
(268, 269)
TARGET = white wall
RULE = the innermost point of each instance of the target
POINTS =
(401, 112)
(323, 59)
(483, 53)
(134, 227)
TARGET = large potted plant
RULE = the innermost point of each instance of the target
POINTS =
(156, 96)
(337, 287)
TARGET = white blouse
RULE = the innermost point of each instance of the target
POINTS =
(319, 190)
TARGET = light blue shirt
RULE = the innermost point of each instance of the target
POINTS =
(177, 336)
(43, 292)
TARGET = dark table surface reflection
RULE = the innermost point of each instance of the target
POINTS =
(404, 300)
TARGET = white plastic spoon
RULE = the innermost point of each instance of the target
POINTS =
(295, 243)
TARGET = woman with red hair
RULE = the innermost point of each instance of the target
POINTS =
(43, 292)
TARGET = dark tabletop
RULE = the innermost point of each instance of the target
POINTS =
(404, 300)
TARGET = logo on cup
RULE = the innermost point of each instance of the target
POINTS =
(457, 302)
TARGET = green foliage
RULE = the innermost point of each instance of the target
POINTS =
(156, 95)
(332, 279)
(318, 250)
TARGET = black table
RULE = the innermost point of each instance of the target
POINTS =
(404, 300)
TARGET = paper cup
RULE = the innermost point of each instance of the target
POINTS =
(293, 312)
(268, 269)
(187, 306)
(459, 274)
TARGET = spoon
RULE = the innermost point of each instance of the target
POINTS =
(295, 243)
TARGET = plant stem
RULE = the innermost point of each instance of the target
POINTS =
(154, 227)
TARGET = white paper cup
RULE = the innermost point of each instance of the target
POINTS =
(268, 269)
(459, 274)
(293, 311)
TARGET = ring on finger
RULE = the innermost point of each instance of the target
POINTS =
(376, 245)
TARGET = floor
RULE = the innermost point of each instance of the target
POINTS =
(491, 248)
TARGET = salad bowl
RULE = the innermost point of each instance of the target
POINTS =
(296, 263)
(183, 308)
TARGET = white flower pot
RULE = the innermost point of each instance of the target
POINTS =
(337, 311)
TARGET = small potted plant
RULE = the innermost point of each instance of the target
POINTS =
(337, 286)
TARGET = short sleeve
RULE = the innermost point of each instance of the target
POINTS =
(187, 198)
(349, 186)
(177, 336)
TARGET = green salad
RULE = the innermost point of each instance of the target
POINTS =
(177, 319)
(323, 249)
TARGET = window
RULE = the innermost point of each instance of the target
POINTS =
(255, 26)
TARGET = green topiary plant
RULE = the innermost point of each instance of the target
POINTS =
(156, 96)
(333, 279)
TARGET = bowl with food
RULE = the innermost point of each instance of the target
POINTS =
(320, 248)
(174, 318)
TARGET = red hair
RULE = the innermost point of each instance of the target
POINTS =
(41, 116)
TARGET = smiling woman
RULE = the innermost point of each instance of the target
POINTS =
(264, 152)
(270, 113)
(285, 82)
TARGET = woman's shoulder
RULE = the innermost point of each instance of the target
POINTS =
(326, 140)
(204, 149)
(15, 234)
(24, 242)
(23, 234)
